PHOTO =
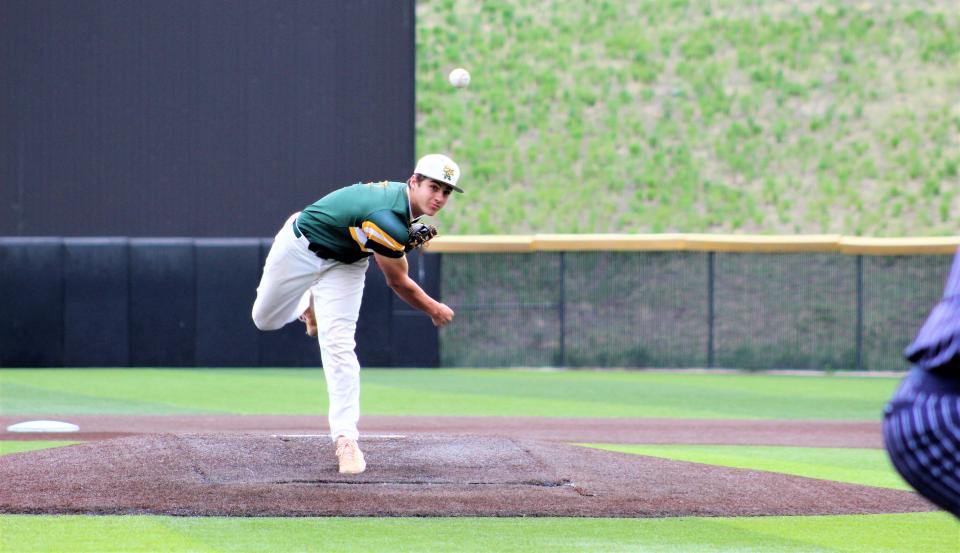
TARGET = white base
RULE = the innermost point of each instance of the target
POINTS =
(43, 426)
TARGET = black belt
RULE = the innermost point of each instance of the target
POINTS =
(326, 253)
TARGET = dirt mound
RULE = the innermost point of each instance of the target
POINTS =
(439, 475)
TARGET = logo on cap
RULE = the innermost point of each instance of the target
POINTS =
(447, 172)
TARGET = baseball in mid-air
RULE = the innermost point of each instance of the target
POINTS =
(459, 77)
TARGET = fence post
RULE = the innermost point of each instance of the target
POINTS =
(859, 333)
(711, 361)
(563, 309)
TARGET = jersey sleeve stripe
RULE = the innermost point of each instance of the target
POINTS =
(377, 234)
(356, 238)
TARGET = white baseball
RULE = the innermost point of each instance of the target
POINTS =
(459, 77)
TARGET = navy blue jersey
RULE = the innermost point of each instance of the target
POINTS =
(937, 345)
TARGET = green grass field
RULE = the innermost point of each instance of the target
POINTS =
(447, 392)
(929, 533)
(487, 393)
(765, 116)
(864, 466)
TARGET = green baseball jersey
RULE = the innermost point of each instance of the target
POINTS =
(354, 222)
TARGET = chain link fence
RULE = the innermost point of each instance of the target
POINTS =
(806, 310)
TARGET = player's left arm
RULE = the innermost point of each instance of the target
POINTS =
(396, 271)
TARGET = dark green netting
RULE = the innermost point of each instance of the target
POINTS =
(686, 309)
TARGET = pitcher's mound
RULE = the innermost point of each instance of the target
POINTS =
(262, 475)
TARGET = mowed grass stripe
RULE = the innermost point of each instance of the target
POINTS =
(867, 467)
(160, 391)
(928, 532)
(19, 446)
(642, 394)
(44, 399)
(388, 400)
(100, 534)
(479, 392)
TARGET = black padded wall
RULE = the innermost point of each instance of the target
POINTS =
(31, 302)
(198, 118)
(96, 302)
(227, 272)
(162, 302)
(179, 302)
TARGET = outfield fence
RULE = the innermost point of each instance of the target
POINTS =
(809, 302)
(755, 302)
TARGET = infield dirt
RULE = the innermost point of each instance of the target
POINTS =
(270, 468)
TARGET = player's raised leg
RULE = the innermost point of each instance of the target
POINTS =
(288, 273)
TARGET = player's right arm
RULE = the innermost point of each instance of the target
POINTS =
(395, 269)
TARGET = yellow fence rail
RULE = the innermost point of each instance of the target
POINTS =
(851, 245)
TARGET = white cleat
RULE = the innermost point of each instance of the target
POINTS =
(350, 456)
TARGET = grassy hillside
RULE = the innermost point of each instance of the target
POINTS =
(685, 116)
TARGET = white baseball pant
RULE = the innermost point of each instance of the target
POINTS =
(290, 275)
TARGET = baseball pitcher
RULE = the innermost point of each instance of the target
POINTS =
(316, 268)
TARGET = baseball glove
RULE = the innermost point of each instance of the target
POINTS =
(420, 234)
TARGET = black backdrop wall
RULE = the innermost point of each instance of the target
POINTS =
(196, 118)
(186, 119)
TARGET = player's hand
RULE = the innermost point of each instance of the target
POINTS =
(441, 315)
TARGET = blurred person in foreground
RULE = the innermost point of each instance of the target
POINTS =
(921, 424)
(316, 268)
